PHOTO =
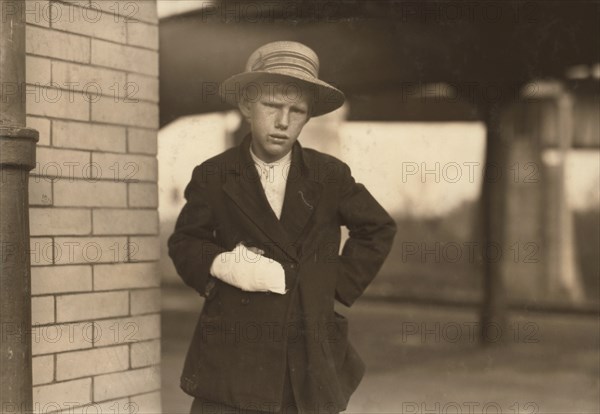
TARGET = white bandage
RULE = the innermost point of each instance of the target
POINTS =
(249, 271)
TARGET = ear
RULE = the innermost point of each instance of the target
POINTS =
(244, 106)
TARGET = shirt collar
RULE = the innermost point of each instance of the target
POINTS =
(286, 159)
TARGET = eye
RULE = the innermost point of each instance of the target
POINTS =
(298, 110)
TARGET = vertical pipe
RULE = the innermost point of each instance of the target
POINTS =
(17, 158)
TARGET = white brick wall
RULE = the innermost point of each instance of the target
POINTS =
(60, 45)
(89, 136)
(78, 364)
(125, 221)
(43, 369)
(145, 353)
(145, 301)
(142, 141)
(92, 93)
(125, 275)
(126, 383)
(126, 330)
(60, 279)
(87, 306)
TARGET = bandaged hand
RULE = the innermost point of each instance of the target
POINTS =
(249, 270)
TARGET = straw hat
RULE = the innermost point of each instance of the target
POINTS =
(284, 61)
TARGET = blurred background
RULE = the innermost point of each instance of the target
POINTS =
(476, 125)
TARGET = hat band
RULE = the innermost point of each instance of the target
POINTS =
(288, 67)
(282, 59)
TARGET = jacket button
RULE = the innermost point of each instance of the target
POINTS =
(209, 287)
(245, 301)
(292, 266)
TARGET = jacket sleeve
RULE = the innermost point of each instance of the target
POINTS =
(192, 246)
(371, 231)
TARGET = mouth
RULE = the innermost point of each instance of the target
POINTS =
(278, 138)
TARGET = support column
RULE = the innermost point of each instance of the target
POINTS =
(17, 158)
(494, 310)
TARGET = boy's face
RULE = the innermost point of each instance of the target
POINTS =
(276, 119)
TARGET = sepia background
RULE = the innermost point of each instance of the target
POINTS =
(475, 124)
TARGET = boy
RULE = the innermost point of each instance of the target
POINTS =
(259, 238)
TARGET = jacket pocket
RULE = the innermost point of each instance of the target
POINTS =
(336, 344)
(211, 309)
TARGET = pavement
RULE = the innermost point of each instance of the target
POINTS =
(427, 359)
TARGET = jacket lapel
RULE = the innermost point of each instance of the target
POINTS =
(301, 196)
(243, 186)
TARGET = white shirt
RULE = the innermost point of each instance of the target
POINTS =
(273, 177)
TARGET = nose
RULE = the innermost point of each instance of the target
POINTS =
(282, 121)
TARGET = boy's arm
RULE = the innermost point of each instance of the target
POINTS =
(193, 246)
(372, 233)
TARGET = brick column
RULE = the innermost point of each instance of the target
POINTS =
(92, 75)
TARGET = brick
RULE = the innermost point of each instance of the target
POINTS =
(145, 301)
(88, 136)
(61, 395)
(119, 406)
(142, 140)
(144, 10)
(42, 125)
(147, 403)
(85, 306)
(127, 167)
(38, 12)
(38, 70)
(142, 34)
(145, 353)
(90, 22)
(42, 310)
(147, 11)
(60, 279)
(52, 163)
(142, 87)
(60, 45)
(125, 276)
(127, 330)
(144, 248)
(143, 195)
(80, 3)
(57, 103)
(80, 193)
(115, 222)
(126, 383)
(40, 253)
(71, 250)
(99, 81)
(43, 369)
(59, 221)
(78, 364)
(59, 338)
(40, 192)
(125, 112)
(128, 58)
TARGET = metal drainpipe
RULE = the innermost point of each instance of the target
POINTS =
(17, 158)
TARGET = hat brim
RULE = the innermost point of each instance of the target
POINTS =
(325, 97)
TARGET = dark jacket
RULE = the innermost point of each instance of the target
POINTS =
(239, 348)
